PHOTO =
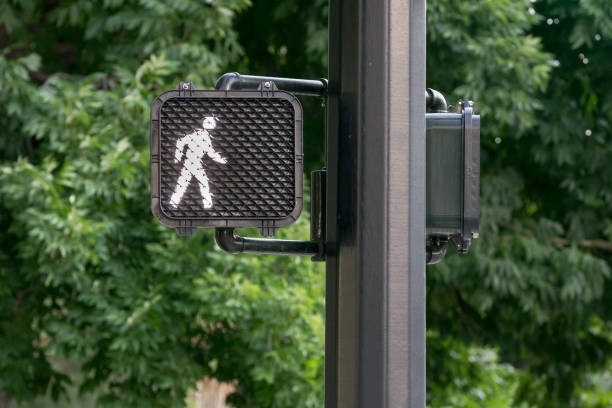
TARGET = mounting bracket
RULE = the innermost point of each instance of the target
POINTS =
(315, 248)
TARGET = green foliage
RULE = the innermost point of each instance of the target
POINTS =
(87, 274)
(597, 392)
(83, 36)
(468, 376)
(147, 312)
(482, 51)
(537, 279)
(289, 39)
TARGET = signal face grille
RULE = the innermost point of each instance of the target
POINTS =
(229, 159)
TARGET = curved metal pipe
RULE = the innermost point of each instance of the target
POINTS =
(435, 101)
(227, 81)
(234, 80)
(235, 244)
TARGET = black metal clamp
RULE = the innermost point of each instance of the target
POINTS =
(315, 248)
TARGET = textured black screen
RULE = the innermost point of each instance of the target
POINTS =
(255, 136)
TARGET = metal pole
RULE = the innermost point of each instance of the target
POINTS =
(375, 327)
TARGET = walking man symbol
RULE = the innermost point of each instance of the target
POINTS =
(199, 144)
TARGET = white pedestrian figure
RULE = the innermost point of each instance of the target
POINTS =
(199, 144)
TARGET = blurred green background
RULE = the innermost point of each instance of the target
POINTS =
(101, 304)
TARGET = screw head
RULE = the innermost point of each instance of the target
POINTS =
(267, 84)
(185, 86)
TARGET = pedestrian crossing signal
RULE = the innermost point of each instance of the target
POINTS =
(226, 159)
(198, 145)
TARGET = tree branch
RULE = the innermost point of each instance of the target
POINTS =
(587, 243)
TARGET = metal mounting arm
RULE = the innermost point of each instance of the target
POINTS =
(315, 248)
(309, 87)
(235, 244)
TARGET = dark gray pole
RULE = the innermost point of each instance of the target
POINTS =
(375, 328)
